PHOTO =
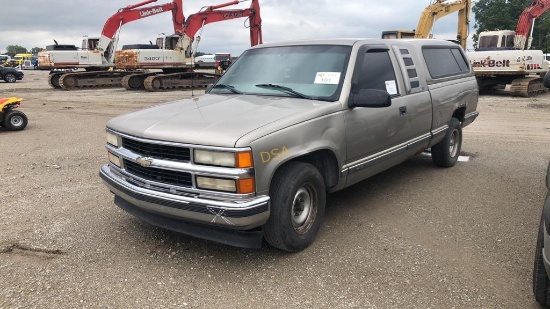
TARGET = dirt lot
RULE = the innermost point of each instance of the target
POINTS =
(414, 236)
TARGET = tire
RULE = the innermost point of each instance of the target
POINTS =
(546, 80)
(541, 284)
(446, 152)
(298, 199)
(15, 120)
(10, 78)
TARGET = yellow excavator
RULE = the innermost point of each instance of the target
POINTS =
(433, 12)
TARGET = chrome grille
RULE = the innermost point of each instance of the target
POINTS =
(159, 151)
(181, 179)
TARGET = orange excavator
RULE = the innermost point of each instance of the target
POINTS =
(176, 52)
(97, 53)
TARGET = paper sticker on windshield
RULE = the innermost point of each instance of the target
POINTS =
(330, 78)
(391, 88)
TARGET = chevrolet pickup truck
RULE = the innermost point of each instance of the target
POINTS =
(254, 157)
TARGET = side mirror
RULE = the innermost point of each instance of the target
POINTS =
(370, 98)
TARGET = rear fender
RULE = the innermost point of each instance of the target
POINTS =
(12, 102)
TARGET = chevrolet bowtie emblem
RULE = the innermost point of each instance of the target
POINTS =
(144, 161)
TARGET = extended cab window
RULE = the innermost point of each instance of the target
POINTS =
(377, 72)
(444, 62)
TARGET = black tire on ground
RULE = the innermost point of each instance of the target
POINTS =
(10, 78)
(541, 284)
(15, 120)
(446, 152)
(298, 200)
(546, 80)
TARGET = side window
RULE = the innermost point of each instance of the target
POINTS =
(167, 44)
(377, 72)
(510, 40)
(444, 62)
(92, 44)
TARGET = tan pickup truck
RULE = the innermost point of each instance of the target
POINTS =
(254, 157)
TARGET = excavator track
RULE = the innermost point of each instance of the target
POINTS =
(53, 79)
(136, 81)
(527, 86)
(175, 81)
(97, 79)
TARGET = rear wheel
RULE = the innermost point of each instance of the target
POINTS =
(10, 78)
(541, 284)
(298, 200)
(546, 80)
(15, 120)
(446, 152)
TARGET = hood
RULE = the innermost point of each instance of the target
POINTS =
(219, 120)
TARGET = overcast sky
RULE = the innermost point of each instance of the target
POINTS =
(36, 23)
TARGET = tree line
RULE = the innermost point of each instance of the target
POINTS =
(12, 50)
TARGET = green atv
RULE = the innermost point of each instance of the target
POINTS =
(10, 118)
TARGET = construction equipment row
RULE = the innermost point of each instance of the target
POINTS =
(171, 55)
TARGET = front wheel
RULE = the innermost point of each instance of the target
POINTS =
(446, 152)
(10, 78)
(15, 120)
(546, 80)
(298, 200)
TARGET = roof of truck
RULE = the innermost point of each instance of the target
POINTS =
(353, 41)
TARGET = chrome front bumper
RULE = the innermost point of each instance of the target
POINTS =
(237, 215)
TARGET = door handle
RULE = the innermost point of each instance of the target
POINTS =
(402, 110)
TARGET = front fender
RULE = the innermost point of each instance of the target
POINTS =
(273, 150)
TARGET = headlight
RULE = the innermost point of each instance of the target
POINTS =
(112, 139)
(221, 158)
(113, 159)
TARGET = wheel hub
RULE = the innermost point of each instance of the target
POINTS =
(453, 143)
(303, 210)
(16, 121)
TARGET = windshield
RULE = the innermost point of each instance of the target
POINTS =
(488, 41)
(310, 71)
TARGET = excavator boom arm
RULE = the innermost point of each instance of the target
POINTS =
(212, 14)
(525, 21)
(107, 42)
(136, 11)
(440, 9)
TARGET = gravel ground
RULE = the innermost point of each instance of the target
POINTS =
(414, 236)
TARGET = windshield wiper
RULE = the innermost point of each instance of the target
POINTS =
(285, 89)
(231, 88)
